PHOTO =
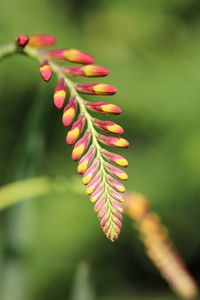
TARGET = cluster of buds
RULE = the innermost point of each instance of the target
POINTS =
(160, 248)
(100, 168)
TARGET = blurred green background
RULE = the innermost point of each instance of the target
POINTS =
(52, 247)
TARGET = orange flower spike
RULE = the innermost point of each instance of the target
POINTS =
(69, 112)
(45, 71)
(81, 145)
(60, 93)
(75, 130)
(41, 40)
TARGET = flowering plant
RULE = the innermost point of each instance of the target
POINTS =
(99, 167)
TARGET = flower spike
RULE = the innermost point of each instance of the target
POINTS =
(101, 177)
(60, 93)
(46, 71)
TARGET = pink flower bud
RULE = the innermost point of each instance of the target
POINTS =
(102, 211)
(81, 145)
(114, 158)
(92, 170)
(46, 71)
(116, 195)
(117, 205)
(108, 126)
(116, 184)
(72, 55)
(41, 40)
(86, 71)
(103, 107)
(100, 203)
(22, 40)
(96, 88)
(69, 112)
(97, 193)
(75, 130)
(93, 184)
(113, 141)
(116, 172)
(86, 160)
(60, 93)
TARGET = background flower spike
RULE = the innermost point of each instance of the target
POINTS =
(71, 55)
(46, 71)
(75, 130)
(69, 111)
(113, 141)
(81, 145)
(108, 126)
(41, 40)
(60, 93)
(86, 71)
(96, 88)
(103, 107)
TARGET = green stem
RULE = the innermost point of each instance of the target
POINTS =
(8, 49)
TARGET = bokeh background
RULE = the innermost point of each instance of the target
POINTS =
(52, 247)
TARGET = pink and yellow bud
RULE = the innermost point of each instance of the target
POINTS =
(103, 210)
(75, 130)
(94, 183)
(72, 55)
(116, 195)
(81, 145)
(96, 88)
(22, 40)
(112, 141)
(100, 202)
(92, 170)
(46, 71)
(116, 184)
(108, 126)
(103, 107)
(41, 40)
(114, 158)
(69, 112)
(116, 204)
(86, 71)
(97, 193)
(60, 93)
(86, 160)
(116, 172)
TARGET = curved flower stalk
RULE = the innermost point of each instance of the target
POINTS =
(99, 167)
(160, 248)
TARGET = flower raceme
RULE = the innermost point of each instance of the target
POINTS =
(100, 168)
